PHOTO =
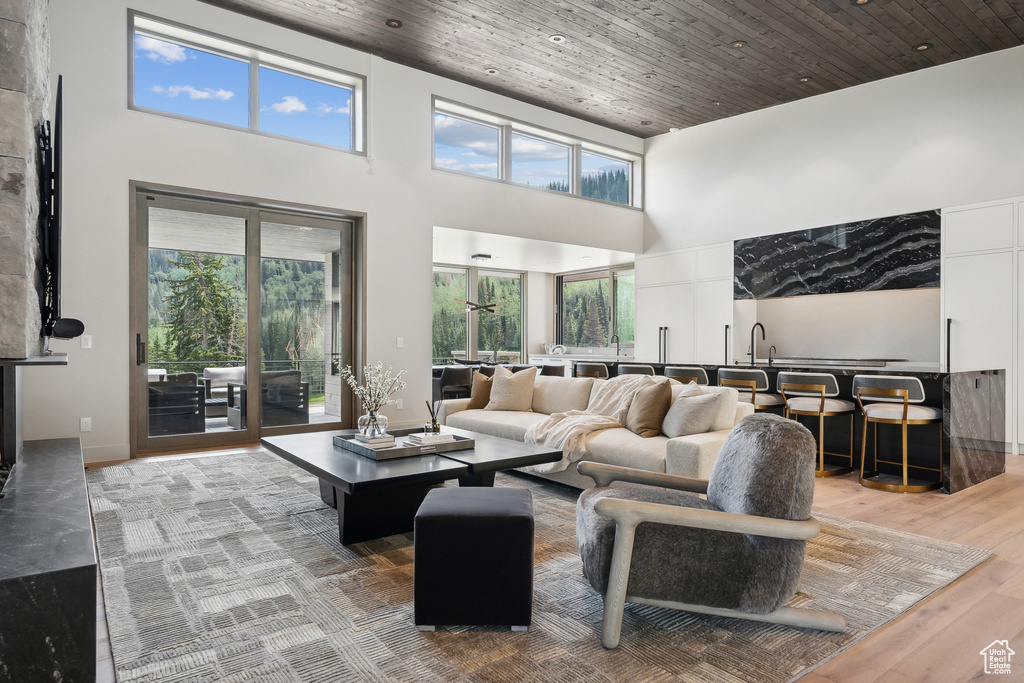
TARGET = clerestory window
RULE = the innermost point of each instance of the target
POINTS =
(490, 146)
(182, 72)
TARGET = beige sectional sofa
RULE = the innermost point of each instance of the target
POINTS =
(689, 456)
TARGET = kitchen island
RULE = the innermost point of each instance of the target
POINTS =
(973, 435)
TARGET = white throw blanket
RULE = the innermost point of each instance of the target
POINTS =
(571, 430)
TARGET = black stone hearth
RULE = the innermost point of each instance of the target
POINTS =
(47, 568)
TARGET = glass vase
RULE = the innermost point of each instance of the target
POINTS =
(372, 424)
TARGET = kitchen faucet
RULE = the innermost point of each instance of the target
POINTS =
(771, 354)
(616, 338)
(753, 348)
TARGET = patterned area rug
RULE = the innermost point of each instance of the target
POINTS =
(229, 568)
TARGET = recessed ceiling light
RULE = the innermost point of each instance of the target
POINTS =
(557, 38)
(923, 46)
(645, 123)
(619, 103)
(804, 79)
(579, 100)
(738, 44)
(649, 75)
(393, 23)
(673, 130)
(717, 103)
(860, 2)
(491, 71)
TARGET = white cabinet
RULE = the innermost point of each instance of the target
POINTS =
(690, 293)
(714, 311)
(977, 229)
(669, 306)
(1018, 408)
(981, 297)
(978, 298)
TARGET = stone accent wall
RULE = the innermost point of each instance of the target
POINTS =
(24, 103)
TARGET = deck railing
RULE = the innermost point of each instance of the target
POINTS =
(313, 371)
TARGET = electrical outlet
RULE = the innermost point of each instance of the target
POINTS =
(401, 342)
(398, 404)
(86, 341)
(86, 425)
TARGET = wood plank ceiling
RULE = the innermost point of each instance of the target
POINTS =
(645, 66)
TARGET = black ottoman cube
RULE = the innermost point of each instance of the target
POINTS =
(474, 558)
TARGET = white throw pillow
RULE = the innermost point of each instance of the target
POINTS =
(512, 390)
(693, 414)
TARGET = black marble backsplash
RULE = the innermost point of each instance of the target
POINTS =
(897, 252)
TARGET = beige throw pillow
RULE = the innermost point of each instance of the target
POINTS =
(648, 409)
(480, 393)
(512, 390)
(694, 414)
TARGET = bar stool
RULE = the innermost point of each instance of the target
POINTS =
(752, 384)
(895, 397)
(813, 394)
(634, 370)
(687, 374)
(599, 370)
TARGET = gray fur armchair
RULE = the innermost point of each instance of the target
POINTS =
(739, 553)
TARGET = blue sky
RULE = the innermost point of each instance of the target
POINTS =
(182, 80)
(471, 147)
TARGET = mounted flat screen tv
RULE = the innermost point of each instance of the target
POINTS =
(49, 143)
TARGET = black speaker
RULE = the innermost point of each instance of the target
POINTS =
(68, 328)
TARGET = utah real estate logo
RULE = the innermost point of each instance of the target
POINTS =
(997, 657)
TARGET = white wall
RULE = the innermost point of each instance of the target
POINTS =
(106, 146)
(942, 136)
(540, 320)
(894, 324)
(939, 137)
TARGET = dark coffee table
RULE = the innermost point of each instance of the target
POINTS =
(380, 498)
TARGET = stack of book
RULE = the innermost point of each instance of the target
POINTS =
(428, 439)
(375, 442)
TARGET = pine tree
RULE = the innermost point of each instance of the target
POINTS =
(204, 322)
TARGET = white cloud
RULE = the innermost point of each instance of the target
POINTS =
(457, 165)
(322, 108)
(453, 132)
(159, 50)
(193, 93)
(531, 149)
(289, 105)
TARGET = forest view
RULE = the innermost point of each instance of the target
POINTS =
(611, 186)
(499, 334)
(586, 310)
(197, 313)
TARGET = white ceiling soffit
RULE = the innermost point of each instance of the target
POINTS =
(457, 247)
(208, 233)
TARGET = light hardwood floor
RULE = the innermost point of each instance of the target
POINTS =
(940, 639)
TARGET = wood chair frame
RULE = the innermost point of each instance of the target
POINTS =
(627, 514)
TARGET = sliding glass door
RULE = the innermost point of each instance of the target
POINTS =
(241, 318)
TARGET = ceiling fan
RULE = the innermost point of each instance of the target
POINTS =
(473, 306)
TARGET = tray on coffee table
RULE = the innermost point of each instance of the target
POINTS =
(403, 448)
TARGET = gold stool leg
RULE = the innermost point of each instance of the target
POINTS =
(821, 442)
(906, 477)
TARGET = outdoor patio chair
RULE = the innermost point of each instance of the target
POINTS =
(176, 405)
(284, 400)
